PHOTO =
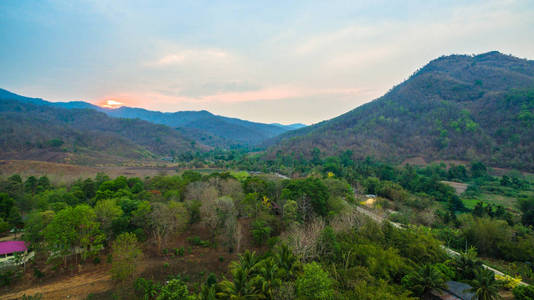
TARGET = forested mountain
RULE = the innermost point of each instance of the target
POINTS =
(216, 128)
(202, 126)
(44, 132)
(456, 107)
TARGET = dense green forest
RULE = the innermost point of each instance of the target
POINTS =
(266, 237)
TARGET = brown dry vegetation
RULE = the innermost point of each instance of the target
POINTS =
(65, 173)
(90, 279)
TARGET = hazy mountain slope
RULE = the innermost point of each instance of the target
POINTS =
(290, 126)
(43, 132)
(7, 95)
(231, 130)
(202, 126)
(456, 107)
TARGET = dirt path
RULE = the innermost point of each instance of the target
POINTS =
(75, 287)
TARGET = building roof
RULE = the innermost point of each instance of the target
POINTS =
(12, 247)
(460, 290)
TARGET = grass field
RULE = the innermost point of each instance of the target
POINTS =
(507, 202)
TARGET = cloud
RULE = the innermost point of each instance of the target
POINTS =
(315, 56)
(191, 56)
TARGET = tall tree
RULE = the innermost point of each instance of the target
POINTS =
(423, 281)
(484, 285)
(126, 255)
(74, 228)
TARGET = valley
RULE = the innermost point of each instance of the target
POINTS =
(409, 196)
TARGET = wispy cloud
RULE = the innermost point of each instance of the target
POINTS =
(191, 56)
(287, 62)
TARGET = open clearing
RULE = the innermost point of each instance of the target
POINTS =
(64, 173)
(69, 287)
(458, 187)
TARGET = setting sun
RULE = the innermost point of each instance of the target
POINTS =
(111, 104)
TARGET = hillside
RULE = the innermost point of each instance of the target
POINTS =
(202, 126)
(39, 132)
(217, 130)
(456, 107)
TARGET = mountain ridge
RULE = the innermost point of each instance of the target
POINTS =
(31, 131)
(455, 107)
(204, 126)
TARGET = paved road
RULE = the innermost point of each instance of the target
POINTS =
(449, 251)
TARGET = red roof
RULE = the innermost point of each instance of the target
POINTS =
(12, 247)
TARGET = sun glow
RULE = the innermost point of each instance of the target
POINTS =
(111, 104)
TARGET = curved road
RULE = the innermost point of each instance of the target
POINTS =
(449, 251)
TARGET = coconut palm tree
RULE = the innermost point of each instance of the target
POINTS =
(245, 281)
(287, 262)
(484, 285)
(247, 261)
(424, 281)
(269, 277)
(466, 264)
(242, 286)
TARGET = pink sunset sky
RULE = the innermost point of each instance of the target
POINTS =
(304, 61)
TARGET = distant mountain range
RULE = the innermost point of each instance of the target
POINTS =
(457, 107)
(201, 126)
(218, 130)
(30, 131)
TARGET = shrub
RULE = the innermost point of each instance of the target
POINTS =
(212, 279)
(179, 251)
(174, 289)
(148, 289)
(140, 234)
(7, 276)
(37, 273)
(522, 292)
(508, 281)
(197, 241)
(32, 297)
(260, 232)
(315, 283)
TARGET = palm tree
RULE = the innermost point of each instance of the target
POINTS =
(287, 262)
(466, 264)
(242, 287)
(245, 283)
(424, 281)
(484, 285)
(269, 277)
(247, 261)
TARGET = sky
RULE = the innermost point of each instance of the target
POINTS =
(265, 61)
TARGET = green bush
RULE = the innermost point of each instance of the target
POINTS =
(261, 231)
(179, 251)
(7, 276)
(197, 241)
(32, 297)
(522, 292)
(315, 283)
(37, 273)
